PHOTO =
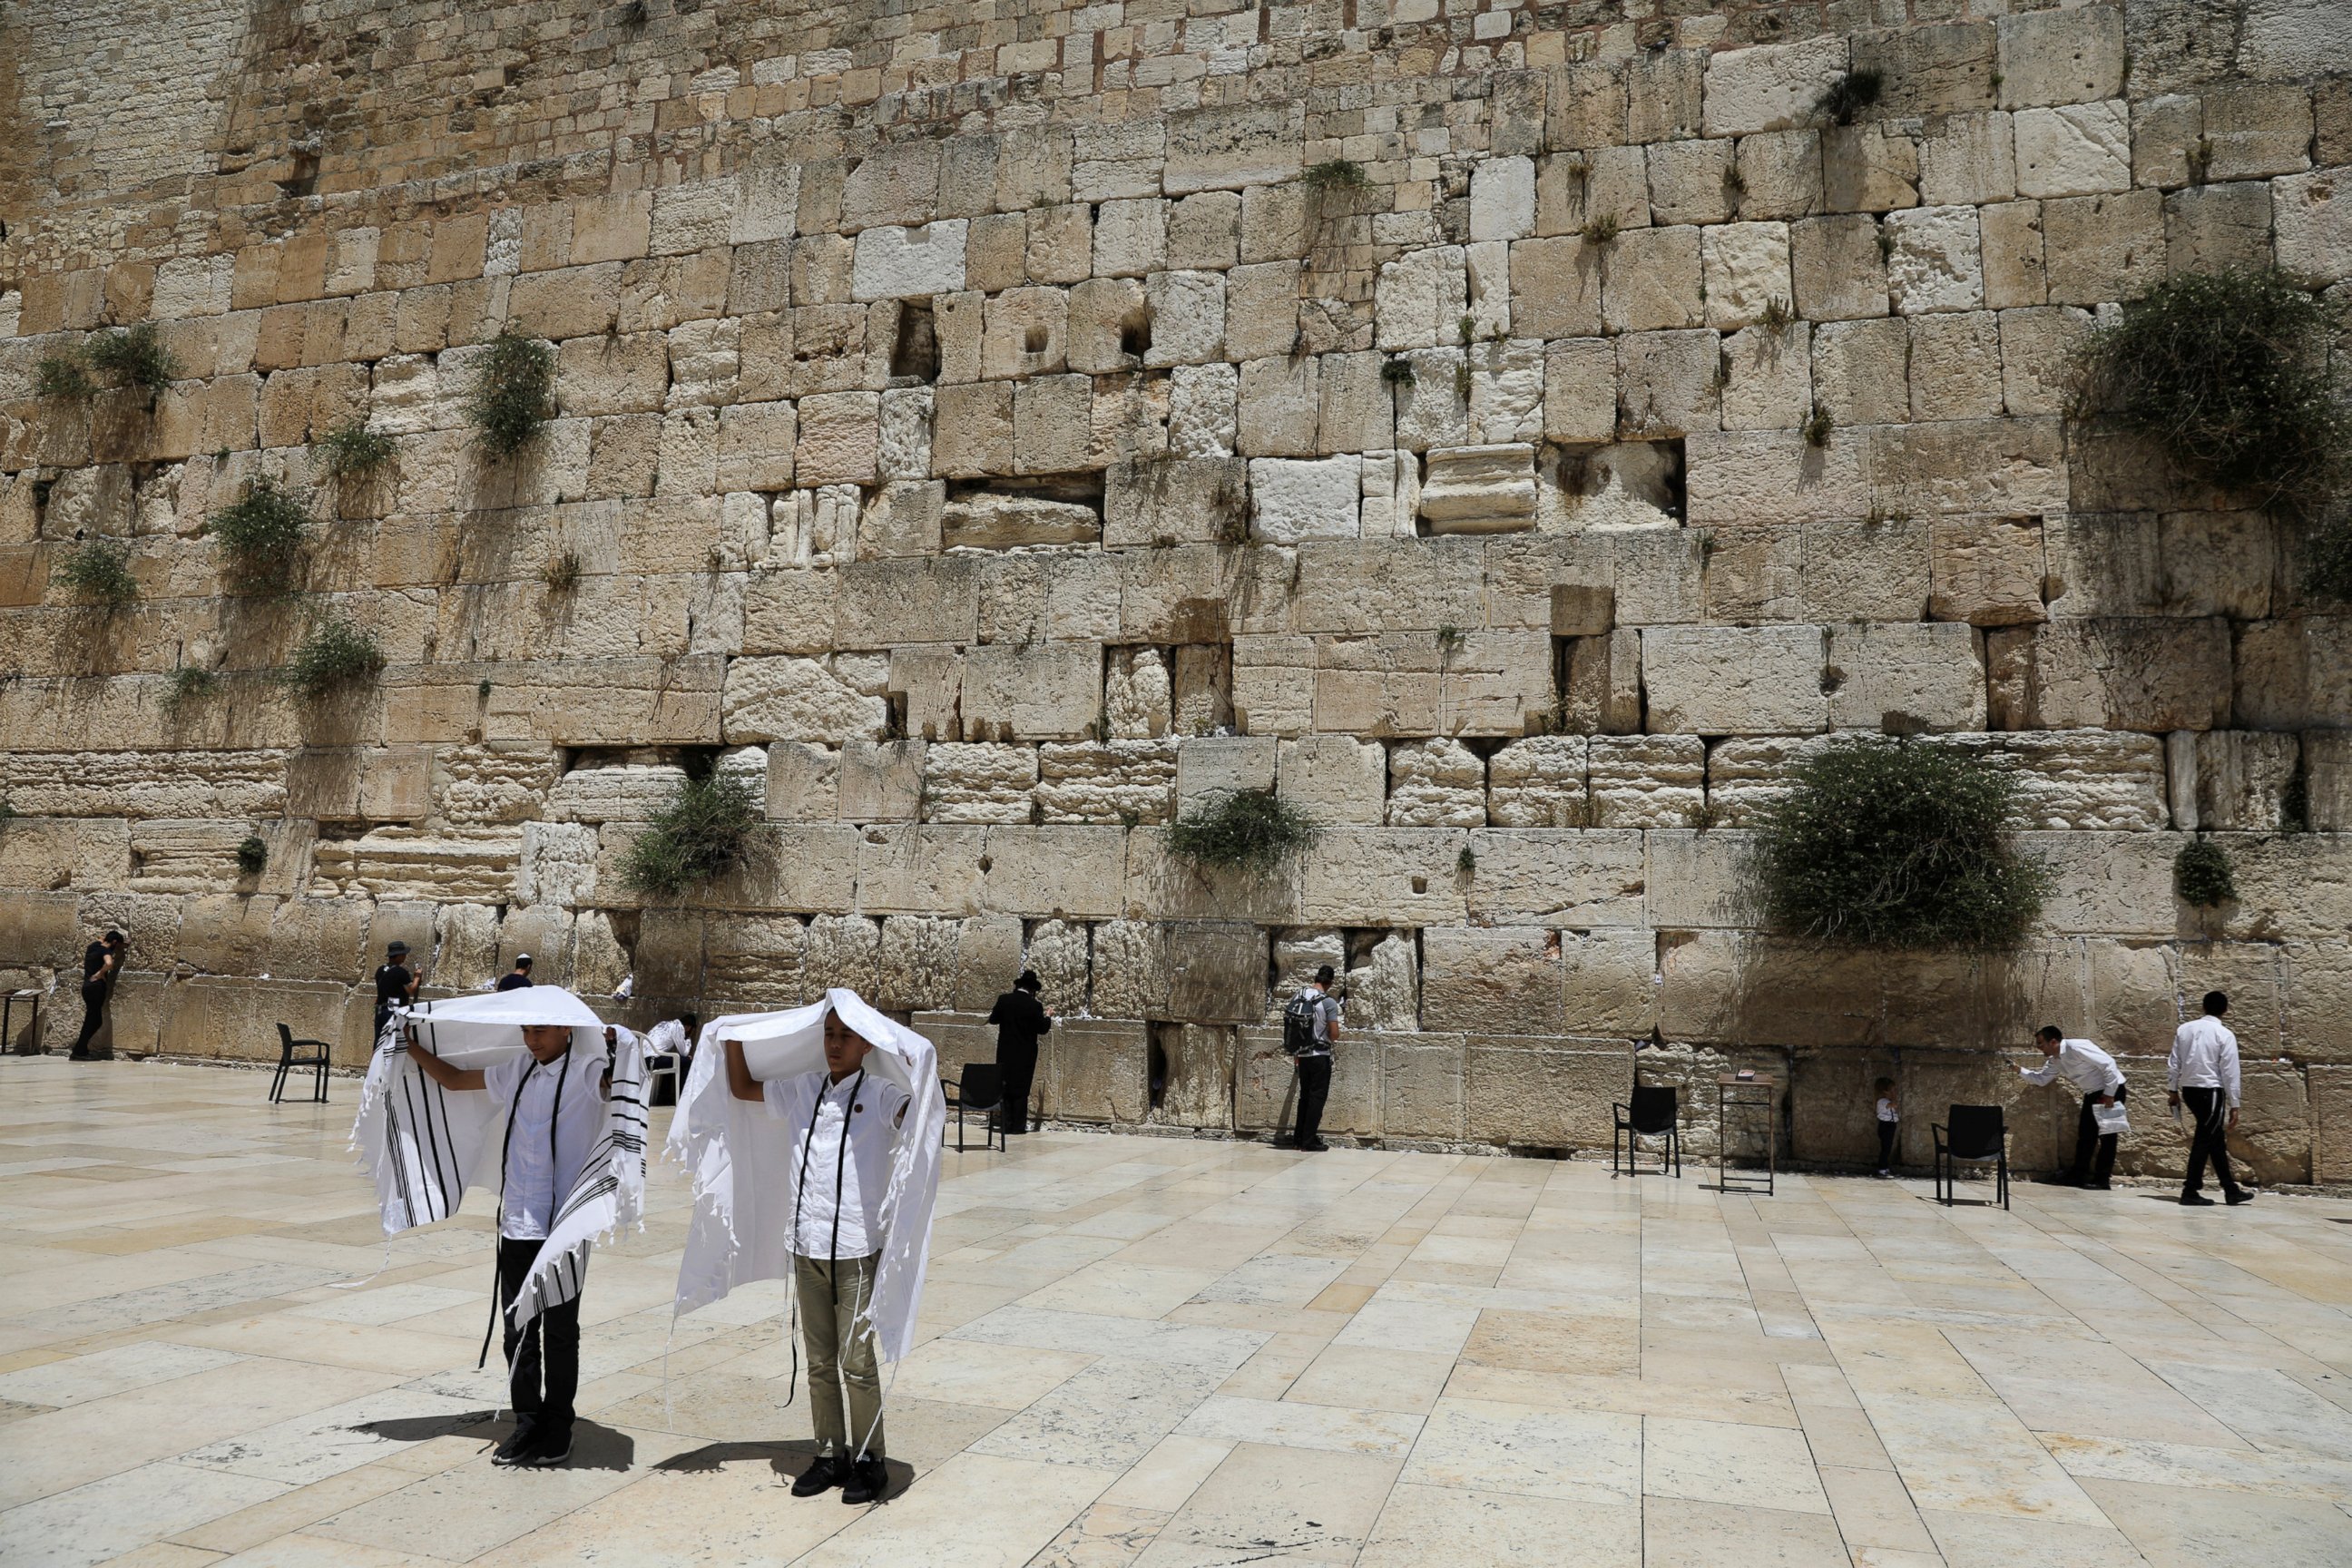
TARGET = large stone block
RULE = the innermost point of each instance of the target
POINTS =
(1772, 86)
(1556, 878)
(1732, 681)
(1932, 674)
(791, 698)
(1044, 691)
(1492, 980)
(894, 262)
(1541, 1094)
(2149, 674)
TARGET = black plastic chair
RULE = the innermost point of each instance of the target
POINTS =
(290, 1055)
(1651, 1115)
(979, 1087)
(1976, 1135)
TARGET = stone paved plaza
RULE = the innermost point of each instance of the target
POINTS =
(1175, 1354)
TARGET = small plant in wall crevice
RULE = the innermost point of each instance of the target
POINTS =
(252, 855)
(2202, 875)
(352, 451)
(187, 686)
(713, 824)
(260, 534)
(97, 571)
(513, 393)
(335, 657)
(1252, 830)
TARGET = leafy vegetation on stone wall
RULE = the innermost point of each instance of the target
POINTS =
(2202, 875)
(1242, 829)
(336, 656)
(709, 828)
(352, 451)
(135, 356)
(1336, 173)
(513, 392)
(261, 533)
(1896, 843)
(2231, 373)
(187, 686)
(252, 855)
(98, 571)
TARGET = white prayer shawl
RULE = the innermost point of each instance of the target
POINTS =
(741, 1160)
(424, 1145)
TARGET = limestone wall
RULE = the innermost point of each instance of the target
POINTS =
(991, 432)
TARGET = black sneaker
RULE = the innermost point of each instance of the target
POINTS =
(824, 1471)
(517, 1448)
(2196, 1200)
(2242, 1196)
(2097, 1187)
(867, 1481)
(549, 1451)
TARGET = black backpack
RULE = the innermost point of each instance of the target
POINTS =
(1298, 1021)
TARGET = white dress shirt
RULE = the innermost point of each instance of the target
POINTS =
(540, 1169)
(2079, 1062)
(872, 1106)
(2204, 1056)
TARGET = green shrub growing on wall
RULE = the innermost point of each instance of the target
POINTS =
(135, 357)
(1335, 174)
(65, 376)
(2202, 875)
(1242, 829)
(709, 828)
(1895, 844)
(252, 855)
(187, 686)
(513, 392)
(2230, 372)
(260, 533)
(352, 451)
(336, 656)
(98, 571)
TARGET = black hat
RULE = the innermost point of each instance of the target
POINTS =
(397, 950)
(1028, 982)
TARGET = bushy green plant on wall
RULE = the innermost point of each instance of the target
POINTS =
(1897, 844)
(710, 827)
(260, 535)
(513, 393)
(97, 571)
(1244, 829)
(2232, 374)
(2202, 875)
(335, 656)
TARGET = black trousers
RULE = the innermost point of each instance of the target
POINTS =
(1314, 1089)
(93, 1017)
(2086, 1135)
(545, 1355)
(2210, 1108)
(1886, 1131)
(1018, 1063)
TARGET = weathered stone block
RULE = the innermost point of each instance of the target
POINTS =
(1645, 781)
(1733, 681)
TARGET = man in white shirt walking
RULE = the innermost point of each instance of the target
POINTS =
(2203, 1074)
(2093, 1074)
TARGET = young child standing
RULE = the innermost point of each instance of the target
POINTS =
(842, 1122)
(1890, 1119)
(556, 1095)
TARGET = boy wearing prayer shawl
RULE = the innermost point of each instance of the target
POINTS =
(556, 1102)
(841, 1122)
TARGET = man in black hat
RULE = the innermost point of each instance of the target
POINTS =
(395, 984)
(101, 962)
(1019, 1020)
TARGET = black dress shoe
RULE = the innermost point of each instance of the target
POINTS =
(2241, 1197)
(868, 1480)
(548, 1451)
(2196, 1200)
(825, 1472)
(517, 1448)
(2097, 1187)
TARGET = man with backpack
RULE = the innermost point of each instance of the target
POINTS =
(1310, 1028)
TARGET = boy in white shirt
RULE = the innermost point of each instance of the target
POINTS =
(1889, 1112)
(556, 1099)
(843, 1122)
(2203, 1072)
(2093, 1074)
